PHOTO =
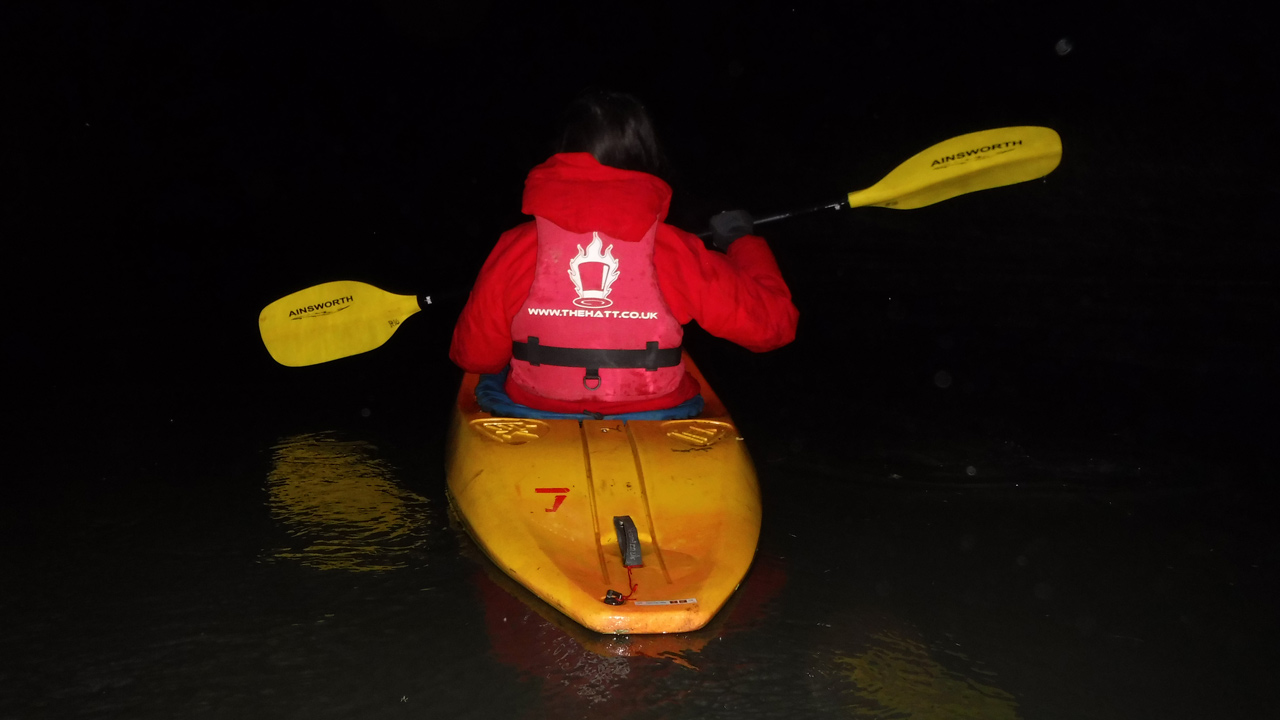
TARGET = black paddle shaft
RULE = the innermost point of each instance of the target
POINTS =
(783, 216)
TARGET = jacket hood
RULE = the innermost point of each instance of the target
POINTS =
(579, 194)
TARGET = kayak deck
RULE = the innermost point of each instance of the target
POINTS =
(540, 496)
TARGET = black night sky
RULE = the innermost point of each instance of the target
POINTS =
(196, 160)
(174, 167)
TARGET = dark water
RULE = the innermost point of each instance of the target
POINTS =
(284, 549)
(1018, 464)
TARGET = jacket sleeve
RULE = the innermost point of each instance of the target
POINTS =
(739, 296)
(482, 337)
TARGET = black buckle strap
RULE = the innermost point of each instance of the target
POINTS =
(650, 358)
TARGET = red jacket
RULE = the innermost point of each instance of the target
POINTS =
(739, 296)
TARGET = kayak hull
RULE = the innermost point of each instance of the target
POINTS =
(539, 498)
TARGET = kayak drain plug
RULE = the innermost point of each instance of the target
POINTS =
(629, 548)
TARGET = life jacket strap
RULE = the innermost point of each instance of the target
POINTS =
(650, 358)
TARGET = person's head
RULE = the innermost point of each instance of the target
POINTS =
(615, 128)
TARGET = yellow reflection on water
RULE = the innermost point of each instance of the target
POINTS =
(343, 505)
(897, 678)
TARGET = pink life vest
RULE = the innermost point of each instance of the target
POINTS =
(595, 325)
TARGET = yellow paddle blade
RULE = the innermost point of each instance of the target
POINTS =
(330, 321)
(965, 164)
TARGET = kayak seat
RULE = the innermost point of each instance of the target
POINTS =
(491, 395)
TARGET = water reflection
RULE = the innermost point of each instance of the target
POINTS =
(897, 677)
(343, 505)
(579, 669)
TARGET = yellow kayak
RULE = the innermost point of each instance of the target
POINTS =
(564, 506)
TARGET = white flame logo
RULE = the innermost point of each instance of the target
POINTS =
(594, 298)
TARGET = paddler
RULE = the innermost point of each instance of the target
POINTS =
(585, 303)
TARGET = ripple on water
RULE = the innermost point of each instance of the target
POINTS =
(897, 677)
(342, 505)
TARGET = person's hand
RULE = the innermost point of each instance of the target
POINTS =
(729, 226)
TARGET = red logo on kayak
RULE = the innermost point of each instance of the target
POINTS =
(560, 493)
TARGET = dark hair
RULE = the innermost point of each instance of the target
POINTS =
(615, 128)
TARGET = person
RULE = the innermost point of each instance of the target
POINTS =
(585, 303)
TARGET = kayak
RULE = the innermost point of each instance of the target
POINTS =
(625, 526)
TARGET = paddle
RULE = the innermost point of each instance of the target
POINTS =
(342, 318)
(333, 320)
(968, 163)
